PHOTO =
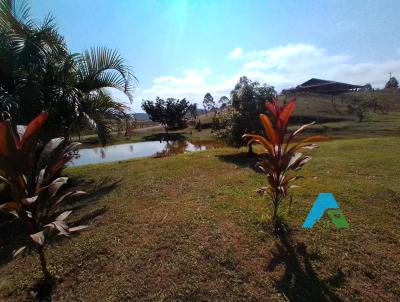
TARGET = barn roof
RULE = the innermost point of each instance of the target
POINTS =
(324, 87)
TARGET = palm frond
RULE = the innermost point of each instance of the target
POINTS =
(15, 12)
(52, 42)
(97, 109)
(102, 67)
(101, 125)
(21, 11)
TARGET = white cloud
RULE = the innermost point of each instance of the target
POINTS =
(283, 67)
(291, 56)
(236, 53)
(192, 85)
(190, 77)
(292, 64)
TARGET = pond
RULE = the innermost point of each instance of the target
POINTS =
(142, 149)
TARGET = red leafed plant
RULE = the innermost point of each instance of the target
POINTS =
(30, 172)
(282, 154)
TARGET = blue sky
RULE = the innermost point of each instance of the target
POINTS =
(183, 48)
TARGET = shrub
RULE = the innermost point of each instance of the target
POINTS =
(282, 154)
(31, 173)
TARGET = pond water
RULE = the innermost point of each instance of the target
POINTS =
(142, 149)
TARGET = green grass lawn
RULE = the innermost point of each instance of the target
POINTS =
(189, 228)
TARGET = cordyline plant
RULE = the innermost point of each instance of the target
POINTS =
(282, 154)
(31, 173)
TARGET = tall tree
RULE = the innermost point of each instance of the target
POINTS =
(37, 72)
(208, 102)
(223, 101)
(193, 111)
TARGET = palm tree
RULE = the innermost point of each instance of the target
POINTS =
(81, 90)
(37, 72)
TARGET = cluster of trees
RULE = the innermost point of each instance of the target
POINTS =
(248, 100)
(38, 73)
(171, 113)
(210, 105)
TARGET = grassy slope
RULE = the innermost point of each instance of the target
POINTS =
(188, 228)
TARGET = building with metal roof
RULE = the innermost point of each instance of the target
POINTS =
(324, 87)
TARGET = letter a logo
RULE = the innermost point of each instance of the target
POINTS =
(326, 201)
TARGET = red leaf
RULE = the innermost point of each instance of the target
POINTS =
(286, 113)
(60, 163)
(268, 129)
(33, 127)
(260, 139)
(8, 141)
(274, 108)
(3, 138)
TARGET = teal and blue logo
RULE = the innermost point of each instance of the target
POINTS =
(326, 202)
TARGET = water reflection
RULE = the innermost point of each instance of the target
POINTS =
(142, 149)
(172, 147)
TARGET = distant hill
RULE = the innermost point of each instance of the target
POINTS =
(142, 116)
(322, 105)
